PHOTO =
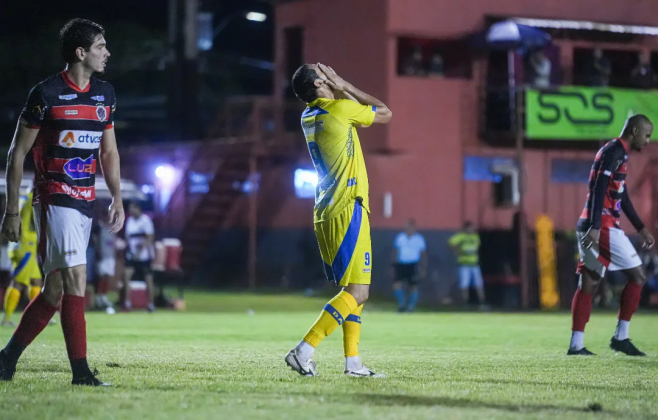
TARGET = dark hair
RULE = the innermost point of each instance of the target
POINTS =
(78, 33)
(135, 203)
(638, 121)
(303, 83)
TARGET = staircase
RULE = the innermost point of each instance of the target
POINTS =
(244, 141)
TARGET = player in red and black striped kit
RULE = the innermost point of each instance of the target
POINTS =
(603, 245)
(68, 123)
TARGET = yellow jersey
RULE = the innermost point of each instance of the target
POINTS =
(336, 152)
(28, 240)
(468, 245)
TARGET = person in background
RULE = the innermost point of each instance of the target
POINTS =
(540, 70)
(435, 68)
(105, 247)
(466, 246)
(139, 234)
(413, 64)
(410, 262)
(600, 69)
(26, 276)
(642, 75)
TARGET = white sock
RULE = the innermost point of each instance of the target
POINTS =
(353, 363)
(577, 340)
(304, 350)
(621, 333)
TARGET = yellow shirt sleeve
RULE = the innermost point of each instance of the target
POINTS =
(354, 112)
(455, 239)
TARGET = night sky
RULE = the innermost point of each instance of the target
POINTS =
(21, 18)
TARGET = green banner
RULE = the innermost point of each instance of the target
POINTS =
(580, 113)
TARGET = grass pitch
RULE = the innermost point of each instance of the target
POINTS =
(219, 361)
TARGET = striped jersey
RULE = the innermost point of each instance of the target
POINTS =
(71, 123)
(611, 161)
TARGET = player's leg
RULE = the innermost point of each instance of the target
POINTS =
(12, 297)
(150, 286)
(35, 318)
(398, 288)
(594, 262)
(337, 239)
(581, 309)
(35, 287)
(464, 282)
(128, 274)
(74, 326)
(412, 281)
(624, 257)
(478, 282)
(629, 301)
(358, 285)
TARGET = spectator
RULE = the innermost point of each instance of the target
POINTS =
(539, 70)
(600, 69)
(140, 234)
(410, 262)
(435, 68)
(642, 76)
(466, 246)
(413, 64)
(105, 247)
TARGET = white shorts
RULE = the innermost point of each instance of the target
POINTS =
(614, 252)
(470, 274)
(106, 266)
(63, 236)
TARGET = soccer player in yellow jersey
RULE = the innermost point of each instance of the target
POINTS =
(334, 109)
(26, 276)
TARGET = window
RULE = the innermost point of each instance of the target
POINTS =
(570, 171)
(426, 57)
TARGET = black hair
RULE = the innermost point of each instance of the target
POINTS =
(303, 83)
(638, 121)
(78, 33)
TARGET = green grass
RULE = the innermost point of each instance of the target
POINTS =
(229, 365)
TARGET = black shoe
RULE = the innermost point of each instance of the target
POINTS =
(581, 352)
(401, 309)
(89, 379)
(625, 346)
(7, 370)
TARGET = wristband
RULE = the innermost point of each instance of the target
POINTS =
(12, 214)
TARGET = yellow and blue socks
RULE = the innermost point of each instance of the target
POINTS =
(333, 315)
(34, 292)
(351, 336)
(12, 297)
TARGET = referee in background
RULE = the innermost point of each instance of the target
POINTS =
(410, 263)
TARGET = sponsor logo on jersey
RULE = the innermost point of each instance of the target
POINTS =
(77, 192)
(68, 97)
(78, 168)
(71, 112)
(351, 182)
(80, 139)
(98, 98)
(101, 112)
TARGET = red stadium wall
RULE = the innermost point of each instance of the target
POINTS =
(418, 157)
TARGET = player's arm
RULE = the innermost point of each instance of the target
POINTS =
(109, 158)
(610, 161)
(382, 114)
(21, 144)
(629, 210)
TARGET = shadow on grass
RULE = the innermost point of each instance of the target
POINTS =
(427, 401)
